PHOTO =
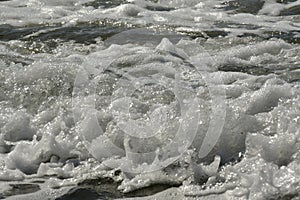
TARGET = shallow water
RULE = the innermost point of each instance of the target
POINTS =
(163, 99)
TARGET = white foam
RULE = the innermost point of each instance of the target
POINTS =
(259, 83)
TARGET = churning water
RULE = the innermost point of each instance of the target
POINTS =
(166, 99)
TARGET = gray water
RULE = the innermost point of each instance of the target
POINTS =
(122, 99)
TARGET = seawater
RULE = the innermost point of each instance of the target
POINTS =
(150, 99)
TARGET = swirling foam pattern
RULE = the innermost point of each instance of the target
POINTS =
(114, 99)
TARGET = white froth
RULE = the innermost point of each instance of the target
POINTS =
(80, 111)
